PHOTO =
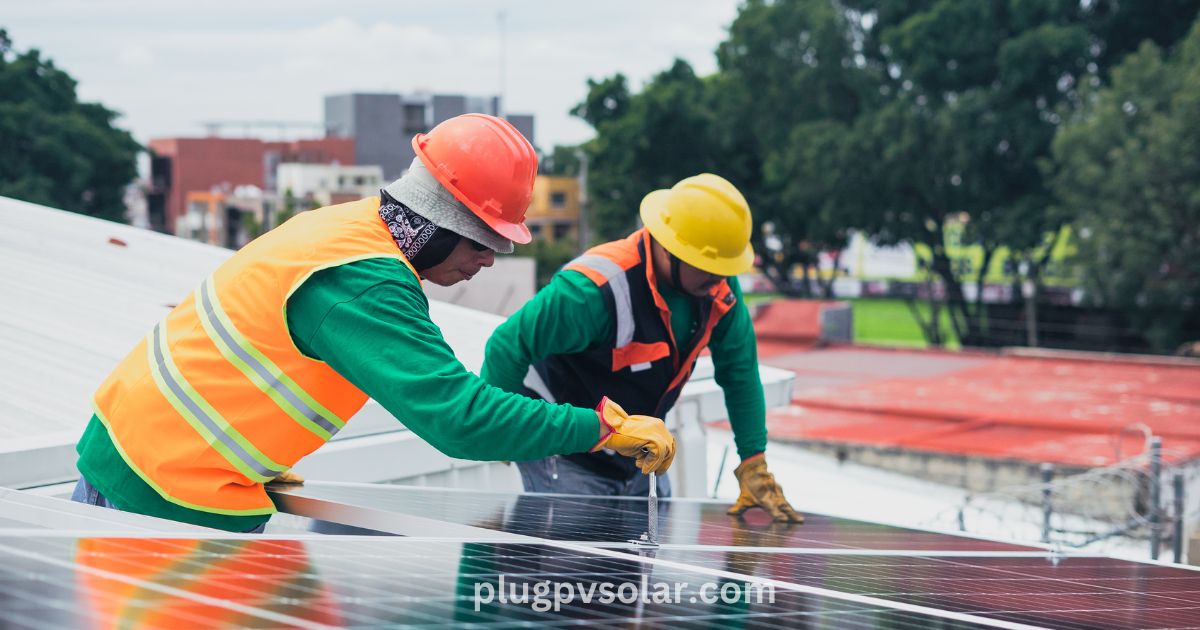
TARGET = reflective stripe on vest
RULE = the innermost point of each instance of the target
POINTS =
(622, 303)
(260, 370)
(236, 449)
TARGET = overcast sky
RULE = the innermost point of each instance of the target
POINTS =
(168, 66)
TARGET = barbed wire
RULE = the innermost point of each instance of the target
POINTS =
(1108, 508)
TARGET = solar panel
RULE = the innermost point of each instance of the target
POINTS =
(481, 558)
(614, 519)
(322, 582)
(1062, 592)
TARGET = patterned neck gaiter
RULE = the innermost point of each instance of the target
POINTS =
(422, 243)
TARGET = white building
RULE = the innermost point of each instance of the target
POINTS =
(328, 184)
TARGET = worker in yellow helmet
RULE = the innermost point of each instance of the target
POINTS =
(628, 318)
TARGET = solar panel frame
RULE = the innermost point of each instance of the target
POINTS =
(611, 521)
(23, 510)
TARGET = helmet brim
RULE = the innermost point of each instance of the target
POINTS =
(515, 232)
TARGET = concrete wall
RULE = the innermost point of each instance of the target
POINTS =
(1109, 501)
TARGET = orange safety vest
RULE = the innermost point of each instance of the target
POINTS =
(216, 399)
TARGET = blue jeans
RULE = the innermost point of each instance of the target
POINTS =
(87, 493)
(563, 476)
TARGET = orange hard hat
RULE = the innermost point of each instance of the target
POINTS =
(487, 165)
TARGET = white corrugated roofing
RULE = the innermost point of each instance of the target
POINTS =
(73, 301)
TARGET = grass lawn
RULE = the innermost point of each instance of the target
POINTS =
(886, 321)
(882, 321)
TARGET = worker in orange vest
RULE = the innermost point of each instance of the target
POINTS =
(630, 318)
(276, 350)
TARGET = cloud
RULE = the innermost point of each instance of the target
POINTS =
(168, 69)
(136, 55)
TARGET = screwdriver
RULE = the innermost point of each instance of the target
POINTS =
(652, 511)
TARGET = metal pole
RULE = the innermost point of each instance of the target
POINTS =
(501, 106)
(720, 471)
(1155, 496)
(585, 231)
(1178, 518)
(1047, 506)
(1031, 332)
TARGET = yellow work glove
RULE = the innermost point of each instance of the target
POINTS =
(758, 489)
(288, 477)
(643, 437)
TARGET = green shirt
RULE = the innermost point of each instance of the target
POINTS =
(369, 320)
(569, 315)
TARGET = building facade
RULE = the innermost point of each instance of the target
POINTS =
(554, 209)
(382, 125)
(226, 219)
(182, 165)
(328, 184)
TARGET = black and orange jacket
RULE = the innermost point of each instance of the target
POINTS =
(644, 367)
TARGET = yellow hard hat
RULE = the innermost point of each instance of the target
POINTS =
(704, 221)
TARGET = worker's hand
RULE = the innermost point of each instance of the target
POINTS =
(288, 477)
(643, 437)
(760, 490)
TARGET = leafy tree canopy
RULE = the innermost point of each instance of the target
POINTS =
(56, 150)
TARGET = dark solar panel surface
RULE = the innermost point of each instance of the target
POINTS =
(1070, 592)
(114, 582)
(610, 520)
(826, 573)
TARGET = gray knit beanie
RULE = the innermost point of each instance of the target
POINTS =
(420, 190)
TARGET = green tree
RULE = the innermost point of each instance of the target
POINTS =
(1129, 161)
(563, 161)
(971, 92)
(791, 82)
(975, 93)
(644, 142)
(56, 150)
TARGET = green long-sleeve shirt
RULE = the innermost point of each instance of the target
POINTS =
(569, 315)
(369, 320)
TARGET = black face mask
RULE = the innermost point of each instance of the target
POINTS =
(436, 249)
(423, 243)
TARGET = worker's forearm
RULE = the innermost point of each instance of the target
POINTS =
(747, 418)
(491, 424)
(735, 368)
(746, 405)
